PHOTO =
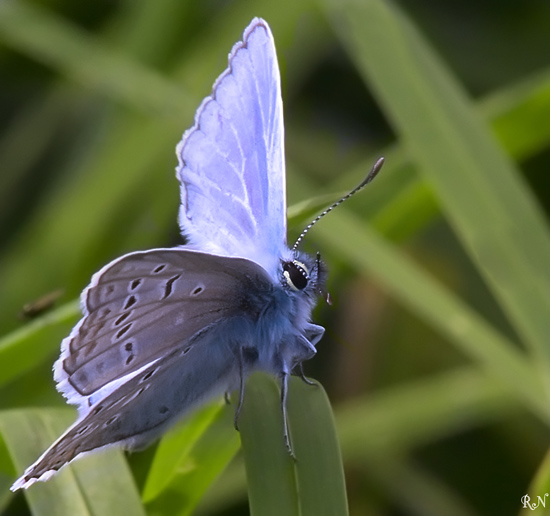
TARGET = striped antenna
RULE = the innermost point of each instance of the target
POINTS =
(371, 175)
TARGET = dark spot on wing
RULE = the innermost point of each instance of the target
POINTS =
(198, 289)
(80, 377)
(82, 430)
(123, 330)
(122, 318)
(149, 374)
(129, 348)
(136, 283)
(97, 409)
(131, 301)
(169, 284)
(158, 269)
(110, 421)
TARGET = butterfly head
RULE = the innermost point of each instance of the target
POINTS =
(303, 273)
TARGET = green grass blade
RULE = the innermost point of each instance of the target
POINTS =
(95, 485)
(539, 487)
(208, 456)
(174, 450)
(25, 348)
(403, 418)
(519, 115)
(319, 468)
(271, 478)
(7, 474)
(228, 490)
(62, 45)
(479, 188)
(313, 485)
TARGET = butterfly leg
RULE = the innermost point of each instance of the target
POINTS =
(286, 433)
(305, 349)
(303, 376)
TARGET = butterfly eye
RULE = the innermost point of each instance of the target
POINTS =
(296, 274)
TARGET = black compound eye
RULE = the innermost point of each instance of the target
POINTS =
(295, 274)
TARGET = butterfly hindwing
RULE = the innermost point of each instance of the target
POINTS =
(139, 410)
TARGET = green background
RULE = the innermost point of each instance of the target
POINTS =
(436, 358)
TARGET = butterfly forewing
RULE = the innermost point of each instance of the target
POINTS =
(142, 306)
(238, 136)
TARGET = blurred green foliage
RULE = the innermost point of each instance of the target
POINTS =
(437, 351)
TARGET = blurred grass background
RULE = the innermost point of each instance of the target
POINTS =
(436, 355)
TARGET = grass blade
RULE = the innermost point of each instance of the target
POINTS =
(313, 484)
(25, 348)
(479, 188)
(199, 468)
(175, 449)
(95, 485)
(271, 478)
(319, 468)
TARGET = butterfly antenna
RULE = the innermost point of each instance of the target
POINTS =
(371, 175)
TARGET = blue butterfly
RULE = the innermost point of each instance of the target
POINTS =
(165, 330)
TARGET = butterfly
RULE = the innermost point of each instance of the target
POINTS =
(167, 329)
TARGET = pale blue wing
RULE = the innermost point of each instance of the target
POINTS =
(231, 162)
